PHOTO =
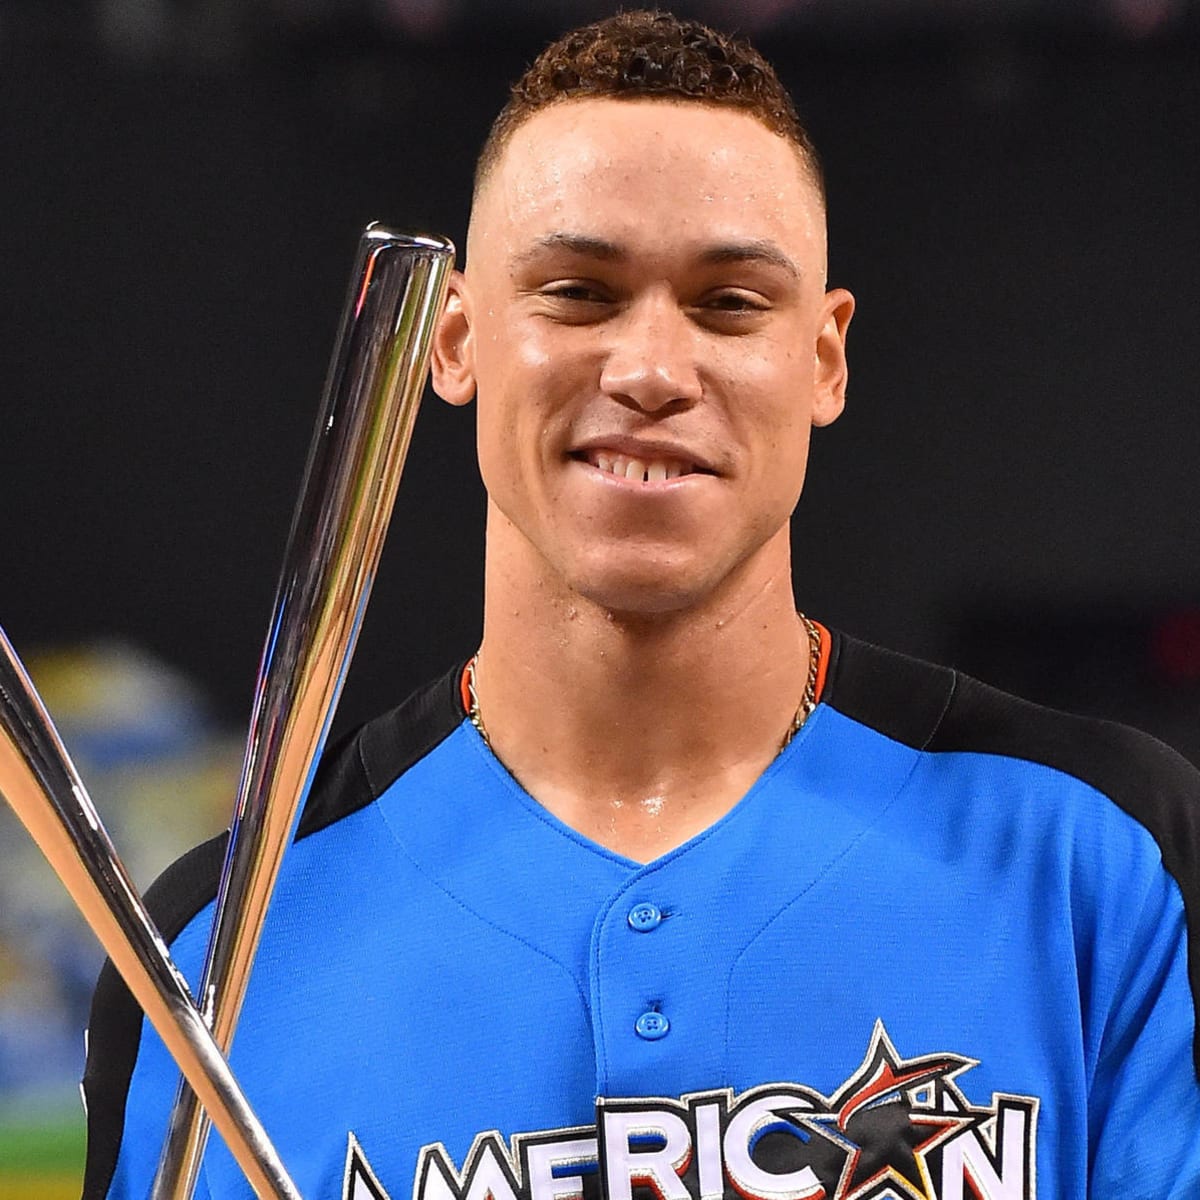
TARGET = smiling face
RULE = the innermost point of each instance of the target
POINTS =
(644, 319)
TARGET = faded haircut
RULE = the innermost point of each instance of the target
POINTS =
(655, 55)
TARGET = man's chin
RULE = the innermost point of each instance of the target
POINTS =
(642, 594)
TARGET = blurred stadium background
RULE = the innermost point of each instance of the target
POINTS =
(1014, 196)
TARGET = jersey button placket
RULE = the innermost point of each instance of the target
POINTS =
(641, 957)
(652, 1025)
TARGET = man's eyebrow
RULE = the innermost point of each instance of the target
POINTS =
(752, 251)
(574, 243)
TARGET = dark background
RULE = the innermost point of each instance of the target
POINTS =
(1015, 201)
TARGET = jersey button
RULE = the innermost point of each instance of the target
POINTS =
(652, 1026)
(644, 917)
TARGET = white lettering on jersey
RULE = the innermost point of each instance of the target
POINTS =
(544, 1159)
(897, 1127)
(657, 1167)
(709, 1176)
(742, 1134)
(1004, 1175)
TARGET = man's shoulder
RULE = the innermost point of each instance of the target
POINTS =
(352, 773)
(369, 759)
(937, 709)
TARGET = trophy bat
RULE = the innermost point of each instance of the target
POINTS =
(40, 782)
(372, 393)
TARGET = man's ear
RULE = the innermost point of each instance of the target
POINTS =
(452, 364)
(829, 361)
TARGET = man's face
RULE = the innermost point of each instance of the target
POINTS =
(644, 320)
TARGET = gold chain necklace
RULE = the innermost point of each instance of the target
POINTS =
(807, 702)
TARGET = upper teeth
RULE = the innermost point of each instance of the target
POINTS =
(637, 468)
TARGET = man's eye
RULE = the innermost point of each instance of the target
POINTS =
(736, 302)
(581, 292)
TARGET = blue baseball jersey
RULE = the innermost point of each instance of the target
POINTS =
(939, 951)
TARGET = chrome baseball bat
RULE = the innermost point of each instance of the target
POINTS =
(372, 394)
(40, 783)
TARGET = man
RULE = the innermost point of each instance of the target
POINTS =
(671, 892)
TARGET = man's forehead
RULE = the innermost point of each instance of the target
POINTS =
(576, 133)
(624, 161)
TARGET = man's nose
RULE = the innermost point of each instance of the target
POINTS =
(652, 359)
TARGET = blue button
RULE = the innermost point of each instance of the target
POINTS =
(652, 1026)
(644, 917)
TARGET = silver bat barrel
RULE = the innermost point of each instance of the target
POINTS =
(372, 393)
(40, 782)
(371, 397)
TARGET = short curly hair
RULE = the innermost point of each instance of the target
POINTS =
(636, 55)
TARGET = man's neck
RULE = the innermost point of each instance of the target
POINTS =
(639, 732)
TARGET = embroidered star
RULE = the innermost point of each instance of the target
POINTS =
(885, 1134)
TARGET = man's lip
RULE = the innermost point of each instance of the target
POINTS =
(646, 450)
